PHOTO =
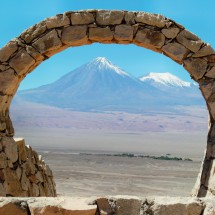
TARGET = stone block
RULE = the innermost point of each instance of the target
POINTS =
(107, 17)
(2, 191)
(124, 33)
(48, 43)
(22, 62)
(211, 73)
(13, 207)
(21, 149)
(197, 67)
(210, 207)
(104, 207)
(175, 51)
(25, 183)
(207, 88)
(177, 206)
(129, 18)
(150, 39)
(3, 160)
(170, 32)
(12, 184)
(100, 34)
(10, 148)
(8, 81)
(150, 19)
(204, 51)
(34, 32)
(128, 206)
(57, 21)
(34, 53)
(8, 50)
(189, 40)
(82, 18)
(75, 35)
(59, 206)
(29, 167)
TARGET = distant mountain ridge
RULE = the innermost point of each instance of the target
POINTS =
(101, 86)
(165, 79)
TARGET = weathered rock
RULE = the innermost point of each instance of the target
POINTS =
(204, 51)
(10, 149)
(107, 17)
(57, 21)
(34, 190)
(3, 160)
(19, 173)
(8, 50)
(29, 167)
(149, 39)
(2, 190)
(25, 181)
(4, 67)
(211, 58)
(185, 206)
(211, 73)
(189, 40)
(129, 18)
(128, 206)
(21, 148)
(9, 124)
(100, 34)
(123, 33)
(170, 32)
(12, 207)
(12, 184)
(33, 179)
(21, 62)
(39, 176)
(34, 32)
(8, 81)
(34, 53)
(82, 18)
(65, 205)
(208, 89)
(104, 207)
(210, 207)
(48, 43)
(175, 51)
(151, 19)
(75, 35)
(197, 67)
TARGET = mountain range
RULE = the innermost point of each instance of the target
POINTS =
(101, 86)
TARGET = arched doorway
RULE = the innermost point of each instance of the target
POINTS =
(155, 32)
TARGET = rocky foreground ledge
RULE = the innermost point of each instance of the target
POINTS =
(23, 172)
(118, 205)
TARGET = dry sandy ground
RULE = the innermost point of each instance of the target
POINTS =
(99, 175)
(90, 175)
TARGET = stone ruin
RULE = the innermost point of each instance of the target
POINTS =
(152, 31)
(22, 172)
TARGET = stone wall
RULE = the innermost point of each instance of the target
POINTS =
(22, 172)
(120, 205)
(152, 31)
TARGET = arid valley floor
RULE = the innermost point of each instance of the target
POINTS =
(96, 175)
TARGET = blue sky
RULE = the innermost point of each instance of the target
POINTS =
(197, 16)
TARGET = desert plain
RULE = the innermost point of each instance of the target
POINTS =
(82, 168)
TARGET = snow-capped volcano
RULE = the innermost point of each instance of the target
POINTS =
(164, 79)
(103, 64)
(100, 85)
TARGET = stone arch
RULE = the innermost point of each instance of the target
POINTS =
(152, 31)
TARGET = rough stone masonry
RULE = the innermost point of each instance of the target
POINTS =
(152, 31)
(22, 172)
